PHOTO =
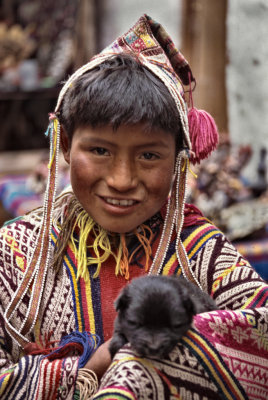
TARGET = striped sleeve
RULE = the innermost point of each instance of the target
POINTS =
(35, 377)
(221, 270)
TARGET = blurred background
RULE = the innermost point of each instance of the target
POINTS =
(225, 41)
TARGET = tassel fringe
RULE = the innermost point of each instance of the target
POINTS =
(84, 343)
(203, 134)
(102, 248)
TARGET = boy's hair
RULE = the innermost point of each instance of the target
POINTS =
(120, 91)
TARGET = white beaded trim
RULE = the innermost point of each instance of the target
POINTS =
(178, 228)
(36, 270)
(180, 103)
(164, 233)
(50, 224)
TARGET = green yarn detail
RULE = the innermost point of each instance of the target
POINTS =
(76, 395)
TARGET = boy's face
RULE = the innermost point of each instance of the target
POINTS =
(120, 177)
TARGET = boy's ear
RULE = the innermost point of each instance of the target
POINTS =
(65, 144)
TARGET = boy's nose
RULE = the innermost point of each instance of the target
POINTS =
(122, 176)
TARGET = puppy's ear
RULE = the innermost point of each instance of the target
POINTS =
(190, 306)
(198, 304)
(194, 299)
(122, 301)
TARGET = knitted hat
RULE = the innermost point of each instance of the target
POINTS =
(148, 41)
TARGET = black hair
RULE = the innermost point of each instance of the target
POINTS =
(120, 91)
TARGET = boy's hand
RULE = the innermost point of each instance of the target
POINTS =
(100, 360)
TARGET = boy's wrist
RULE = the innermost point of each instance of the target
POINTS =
(100, 360)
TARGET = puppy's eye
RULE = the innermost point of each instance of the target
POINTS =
(177, 326)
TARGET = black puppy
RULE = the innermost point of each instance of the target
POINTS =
(154, 312)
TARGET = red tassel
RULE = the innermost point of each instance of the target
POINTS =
(204, 134)
(45, 346)
(34, 349)
(62, 352)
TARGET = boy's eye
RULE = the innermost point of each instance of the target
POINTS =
(149, 156)
(100, 151)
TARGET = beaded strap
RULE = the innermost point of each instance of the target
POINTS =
(36, 271)
(80, 71)
(166, 232)
(181, 190)
(174, 218)
(170, 84)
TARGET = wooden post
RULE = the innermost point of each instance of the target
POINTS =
(203, 45)
(85, 38)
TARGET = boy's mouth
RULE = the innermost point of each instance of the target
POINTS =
(120, 202)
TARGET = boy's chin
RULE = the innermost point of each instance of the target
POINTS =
(120, 230)
(119, 227)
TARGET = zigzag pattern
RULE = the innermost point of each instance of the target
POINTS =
(224, 267)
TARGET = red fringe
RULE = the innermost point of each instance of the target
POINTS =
(34, 349)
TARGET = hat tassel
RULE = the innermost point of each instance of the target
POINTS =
(204, 134)
(203, 131)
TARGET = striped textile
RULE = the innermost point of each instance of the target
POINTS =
(93, 307)
(209, 357)
(198, 238)
(228, 360)
(4, 379)
(46, 380)
(115, 393)
(71, 305)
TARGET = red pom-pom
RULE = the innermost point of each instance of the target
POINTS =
(203, 134)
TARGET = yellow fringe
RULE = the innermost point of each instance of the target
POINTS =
(146, 243)
(55, 129)
(124, 270)
(186, 162)
(102, 247)
(192, 172)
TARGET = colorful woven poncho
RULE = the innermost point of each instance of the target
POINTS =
(223, 356)
(53, 319)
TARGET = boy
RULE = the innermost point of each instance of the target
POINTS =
(122, 123)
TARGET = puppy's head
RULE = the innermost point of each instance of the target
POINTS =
(153, 314)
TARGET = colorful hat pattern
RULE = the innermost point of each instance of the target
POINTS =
(149, 38)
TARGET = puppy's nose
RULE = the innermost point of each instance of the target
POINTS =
(153, 349)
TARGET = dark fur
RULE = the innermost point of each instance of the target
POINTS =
(154, 312)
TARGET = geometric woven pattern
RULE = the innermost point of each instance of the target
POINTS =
(237, 333)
